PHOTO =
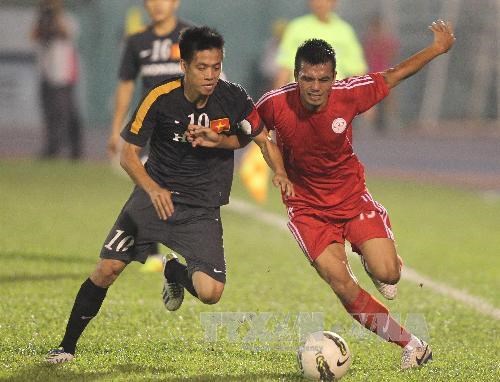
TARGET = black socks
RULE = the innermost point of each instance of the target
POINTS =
(89, 299)
(87, 303)
(178, 273)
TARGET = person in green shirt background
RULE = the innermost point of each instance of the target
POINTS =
(322, 23)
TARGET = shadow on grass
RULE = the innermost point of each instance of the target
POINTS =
(45, 277)
(253, 377)
(30, 260)
(50, 258)
(134, 372)
(44, 372)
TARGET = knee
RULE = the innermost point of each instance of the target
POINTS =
(391, 275)
(209, 299)
(210, 294)
(107, 272)
(394, 278)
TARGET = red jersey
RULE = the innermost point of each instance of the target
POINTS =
(317, 146)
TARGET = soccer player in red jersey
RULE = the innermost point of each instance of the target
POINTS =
(312, 120)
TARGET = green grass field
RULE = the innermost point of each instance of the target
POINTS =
(55, 216)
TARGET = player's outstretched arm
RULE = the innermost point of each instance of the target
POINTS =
(443, 41)
(160, 197)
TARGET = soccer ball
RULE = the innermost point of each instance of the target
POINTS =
(324, 356)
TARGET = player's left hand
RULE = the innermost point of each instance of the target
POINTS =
(202, 136)
(282, 181)
(444, 38)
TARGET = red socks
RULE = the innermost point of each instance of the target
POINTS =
(374, 316)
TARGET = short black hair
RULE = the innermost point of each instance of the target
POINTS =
(194, 39)
(315, 51)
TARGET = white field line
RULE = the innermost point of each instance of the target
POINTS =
(409, 274)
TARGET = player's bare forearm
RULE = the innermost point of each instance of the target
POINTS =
(233, 142)
(160, 197)
(131, 163)
(394, 76)
(205, 137)
(443, 41)
(270, 151)
(274, 160)
(269, 156)
(123, 97)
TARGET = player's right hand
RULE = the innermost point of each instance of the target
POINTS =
(202, 136)
(162, 201)
(286, 186)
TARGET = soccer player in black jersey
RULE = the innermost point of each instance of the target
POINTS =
(181, 187)
(152, 54)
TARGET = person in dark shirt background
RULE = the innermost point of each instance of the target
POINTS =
(55, 32)
(152, 54)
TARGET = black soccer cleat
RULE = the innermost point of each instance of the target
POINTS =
(173, 293)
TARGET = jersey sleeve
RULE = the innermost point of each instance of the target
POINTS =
(129, 66)
(140, 127)
(368, 90)
(248, 119)
(266, 111)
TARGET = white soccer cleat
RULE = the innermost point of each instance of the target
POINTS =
(58, 356)
(414, 356)
(173, 293)
(387, 290)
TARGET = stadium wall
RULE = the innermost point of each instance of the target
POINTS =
(246, 25)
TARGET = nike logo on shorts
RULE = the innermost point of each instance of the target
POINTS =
(217, 271)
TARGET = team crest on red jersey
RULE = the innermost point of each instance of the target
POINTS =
(339, 125)
(220, 125)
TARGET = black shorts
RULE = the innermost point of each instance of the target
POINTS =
(193, 232)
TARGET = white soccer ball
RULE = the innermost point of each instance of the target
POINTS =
(324, 356)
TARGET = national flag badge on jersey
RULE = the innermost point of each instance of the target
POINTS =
(220, 125)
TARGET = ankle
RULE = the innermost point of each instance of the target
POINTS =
(414, 342)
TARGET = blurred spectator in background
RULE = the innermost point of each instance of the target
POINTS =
(55, 33)
(153, 54)
(321, 23)
(268, 66)
(381, 51)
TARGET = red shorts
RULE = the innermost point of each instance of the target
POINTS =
(315, 230)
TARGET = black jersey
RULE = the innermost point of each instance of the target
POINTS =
(196, 176)
(155, 58)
